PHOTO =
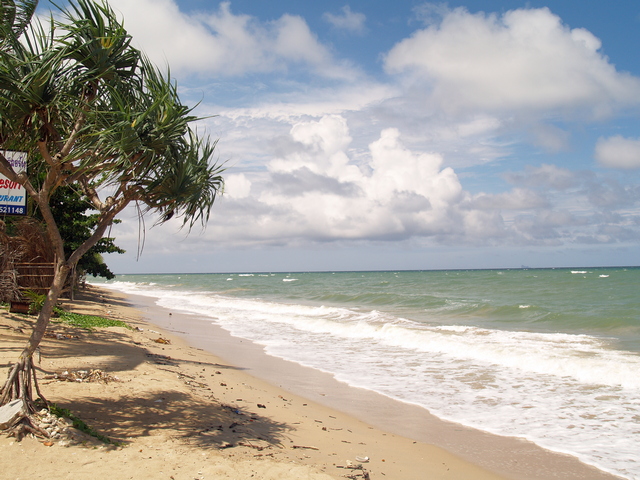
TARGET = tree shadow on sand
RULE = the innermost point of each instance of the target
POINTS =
(193, 419)
(190, 414)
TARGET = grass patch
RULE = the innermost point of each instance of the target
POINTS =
(88, 322)
(80, 424)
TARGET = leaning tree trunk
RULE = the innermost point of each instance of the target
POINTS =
(21, 383)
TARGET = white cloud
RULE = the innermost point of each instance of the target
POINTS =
(318, 187)
(237, 186)
(224, 43)
(618, 152)
(525, 60)
(397, 169)
(347, 20)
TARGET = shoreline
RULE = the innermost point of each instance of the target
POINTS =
(511, 457)
(184, 412)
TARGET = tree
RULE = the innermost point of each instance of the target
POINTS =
(15, 17)
(96, 116)
(76, 226)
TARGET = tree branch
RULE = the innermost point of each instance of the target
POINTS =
(7, 170)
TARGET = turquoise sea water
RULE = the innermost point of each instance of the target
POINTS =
(551, 355)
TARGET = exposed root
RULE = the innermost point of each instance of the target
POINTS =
(20, 384)
(25, 426)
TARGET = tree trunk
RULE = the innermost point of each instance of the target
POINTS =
(21, 381)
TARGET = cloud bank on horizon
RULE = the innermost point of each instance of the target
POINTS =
(463, 127)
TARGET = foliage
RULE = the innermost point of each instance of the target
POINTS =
(80, 424)
(36, 301)
(76, 226)
(16, 16)
(88, 322)
(94, 113)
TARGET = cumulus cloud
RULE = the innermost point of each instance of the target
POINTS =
(525, 59)
(347, 20)
(618, 152)
(319, 188)
(237, 186)
(224, 43)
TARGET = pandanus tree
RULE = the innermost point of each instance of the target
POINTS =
(16, 16)
(94, 114)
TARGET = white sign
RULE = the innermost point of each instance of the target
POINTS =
(13, 196)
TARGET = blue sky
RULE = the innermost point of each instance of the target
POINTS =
(403, 135)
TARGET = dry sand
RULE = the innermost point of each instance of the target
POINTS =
(182, 413)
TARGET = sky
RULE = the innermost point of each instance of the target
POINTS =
(375, 135)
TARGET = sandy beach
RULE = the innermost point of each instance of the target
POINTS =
(180, 412)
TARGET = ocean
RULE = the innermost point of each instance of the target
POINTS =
(550, 355)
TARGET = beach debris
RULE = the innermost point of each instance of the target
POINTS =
(54, 426)
(60, 336)
(351, 466)
(304, 447)
(193, 382)
(163, 341)
(364, 475)
(362, 459)
(9, 413)
(251, 445)
(87, 376)
(210, 428)
(260, 405)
